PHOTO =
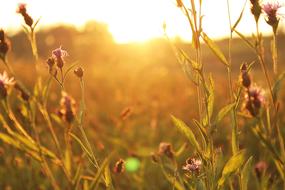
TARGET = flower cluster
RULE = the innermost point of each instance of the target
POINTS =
(5, 83)
(67, 110)
(193, 166)
(4, 45)
(23, 11)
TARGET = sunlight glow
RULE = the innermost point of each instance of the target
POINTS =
(131, 20)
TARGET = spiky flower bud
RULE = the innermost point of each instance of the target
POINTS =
(23, 11)
(179, 3)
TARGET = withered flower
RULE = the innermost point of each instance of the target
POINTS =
(166, 149)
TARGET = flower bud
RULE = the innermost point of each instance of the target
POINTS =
(79, 72)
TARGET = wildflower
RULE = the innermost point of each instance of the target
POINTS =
(67, 104)
(23, 11)
(79, 72)
(255, 9)
(254, 100)
(271, 11)
(2, 35)
(5, 83)
(193, 165)
(59, 54)
(166, 149)
(119, 166)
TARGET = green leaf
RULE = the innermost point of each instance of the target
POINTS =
(245, 173)
(183, 128)
(223, 112)
(233, 164)
(277, 85)
(216, 50)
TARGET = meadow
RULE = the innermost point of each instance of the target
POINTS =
(79, 111)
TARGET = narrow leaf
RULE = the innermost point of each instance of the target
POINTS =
(245, 173)
(223, 112)
(216, 50)
(233, 164)
(183, 128)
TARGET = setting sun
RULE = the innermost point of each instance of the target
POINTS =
(131, 20)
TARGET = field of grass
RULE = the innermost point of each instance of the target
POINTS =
(162, 114)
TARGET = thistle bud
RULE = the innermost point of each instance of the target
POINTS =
(79, 72)
(179, 3)
(245, 78)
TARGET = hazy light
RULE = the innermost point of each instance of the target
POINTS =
(131, 20)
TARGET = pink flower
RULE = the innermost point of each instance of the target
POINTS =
(59, 53)
(271, 9)
(193, 165)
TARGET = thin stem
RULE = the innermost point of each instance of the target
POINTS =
(235, 144)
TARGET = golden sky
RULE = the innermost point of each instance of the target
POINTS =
(131, 20)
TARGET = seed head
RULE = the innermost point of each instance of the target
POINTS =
(255, 9)
(119, 166)
(79, 72)
(166, 149)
